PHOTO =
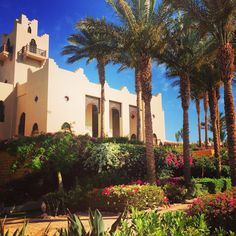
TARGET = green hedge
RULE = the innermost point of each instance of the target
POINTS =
(204, 186)
(59, 202)
(117, 198)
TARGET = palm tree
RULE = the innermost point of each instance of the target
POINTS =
(144, 28)
(91, 42)
(205, 103)
(183, 53)
(209, 76)
(218, 19)
(222, 126)
(179, 135)
(197, 96)
(127, 61)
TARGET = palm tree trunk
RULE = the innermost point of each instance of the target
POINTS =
(198, 122)
(147, 96)
(138, 87)
(213, 110)
(60, 182)
(218, 111)
(205, 100)
(226, 60)
(101, 73)
(185, 98)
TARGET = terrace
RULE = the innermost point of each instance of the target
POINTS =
(34, 53)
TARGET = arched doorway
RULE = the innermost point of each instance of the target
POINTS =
(33, 46)
(115, 123)
(21, 127)
(154, 139)
(35, 129)
(133, 137)
(95, 121)
(92, 119)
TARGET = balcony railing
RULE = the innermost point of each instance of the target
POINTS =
(33, 52)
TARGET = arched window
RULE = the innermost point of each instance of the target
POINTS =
(66, 127)
(115, 123)
(29, 30)
(154, 139)
(133, 137)
(35, 129)
(21, 127)
(33, 46)
(2, 111)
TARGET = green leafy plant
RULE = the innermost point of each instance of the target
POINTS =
(47, 151)
(204, 186)
(104, 157)
(172, 223)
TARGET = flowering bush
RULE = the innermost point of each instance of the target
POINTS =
(104, 157)
(219, 209)
(117, 198)
(175, 160)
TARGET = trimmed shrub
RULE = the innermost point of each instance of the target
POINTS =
(59, 202)
(219, 209)
(117, 198)
(175, 193)
(204, 186)
(204, 167)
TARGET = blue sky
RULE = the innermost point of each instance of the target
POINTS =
(57, 18)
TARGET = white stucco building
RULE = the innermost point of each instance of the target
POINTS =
(37, 95)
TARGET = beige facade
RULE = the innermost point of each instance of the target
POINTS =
(37, 95)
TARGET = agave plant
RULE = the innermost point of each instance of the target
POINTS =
(96, 223)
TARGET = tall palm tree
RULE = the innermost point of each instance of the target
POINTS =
(217, 17)
(183, 53)
(222, 127)
(205, 104)
(126, 60)
(209, 76)
(196, 96)
(179, 135)
(144, 27)
(91, 42)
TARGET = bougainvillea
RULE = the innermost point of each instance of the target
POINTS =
(175, 160)
(219, 209)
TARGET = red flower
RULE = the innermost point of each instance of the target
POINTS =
(136, 190)
(106, 192)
